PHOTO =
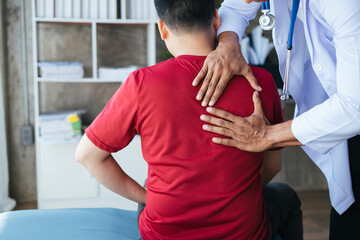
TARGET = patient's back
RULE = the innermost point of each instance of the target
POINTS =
(196, 188)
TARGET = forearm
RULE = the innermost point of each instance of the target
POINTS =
(235, 16)
(110, 174)
(328, 124)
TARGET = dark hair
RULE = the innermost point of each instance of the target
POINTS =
(186, 15)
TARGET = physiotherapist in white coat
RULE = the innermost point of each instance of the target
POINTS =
(324, 82)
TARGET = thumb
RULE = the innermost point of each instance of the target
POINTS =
(252, 80)
(257, 104)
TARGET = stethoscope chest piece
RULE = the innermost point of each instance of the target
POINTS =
(267, 21)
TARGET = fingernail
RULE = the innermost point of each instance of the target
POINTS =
(198, 97)
(260, 88)
(209, 109)
(214, 140)
(211, 103)
(203, 104)
(205, 127)
(194, 83)
(202, 117)
(257, 93)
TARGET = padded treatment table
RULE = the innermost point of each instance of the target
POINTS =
(69, 224)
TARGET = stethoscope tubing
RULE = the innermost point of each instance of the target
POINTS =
(266, 5)
(294, 11)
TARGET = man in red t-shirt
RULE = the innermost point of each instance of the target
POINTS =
(195, 189)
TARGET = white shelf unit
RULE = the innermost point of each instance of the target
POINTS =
(61, 182)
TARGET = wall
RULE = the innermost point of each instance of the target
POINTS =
(21, 159)
(298, 170)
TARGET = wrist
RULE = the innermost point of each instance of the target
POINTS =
(227, 38)
(280, 135)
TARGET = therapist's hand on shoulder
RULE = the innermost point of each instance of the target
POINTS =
(220, 66)
(246, 134)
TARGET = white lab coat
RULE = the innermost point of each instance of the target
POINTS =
(324, 79)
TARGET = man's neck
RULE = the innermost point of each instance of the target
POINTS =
(200, 44)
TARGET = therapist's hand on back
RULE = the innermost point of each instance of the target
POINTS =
(220, 66)
(248, 134)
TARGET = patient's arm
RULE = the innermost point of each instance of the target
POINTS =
(271, 166)
(107, 171)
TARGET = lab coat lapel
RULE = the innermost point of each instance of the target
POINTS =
(321, 51)
(306, 27)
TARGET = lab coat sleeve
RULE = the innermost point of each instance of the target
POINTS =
(337, 119)
(235, 16)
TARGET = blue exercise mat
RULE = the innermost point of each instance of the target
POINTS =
(68, 224)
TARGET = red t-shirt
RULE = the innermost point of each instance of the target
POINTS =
(196, 189)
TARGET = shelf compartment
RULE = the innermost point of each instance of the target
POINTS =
(66, 96)
(121, 46)
(75, 45)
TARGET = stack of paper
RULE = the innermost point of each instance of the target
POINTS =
(61, 69)
(116, 74)
(57, 127)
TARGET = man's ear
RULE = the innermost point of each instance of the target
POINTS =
(216, 20)
(162, 29)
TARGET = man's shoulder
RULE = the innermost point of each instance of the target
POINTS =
(264, 77)
(159, 67)
(260, 72)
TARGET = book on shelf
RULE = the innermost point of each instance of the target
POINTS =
(76, 8)
(94, 9)
(138, 9)
(113, 9)
(153, 14)
(40, 8)
(61, 70)
(103, 9)
(133, 6)
(59, 8)
(145, 9)
(49, 8)
(85, 8)
(123, 9)
(68, 6)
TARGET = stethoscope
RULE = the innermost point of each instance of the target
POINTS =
(267, 22)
